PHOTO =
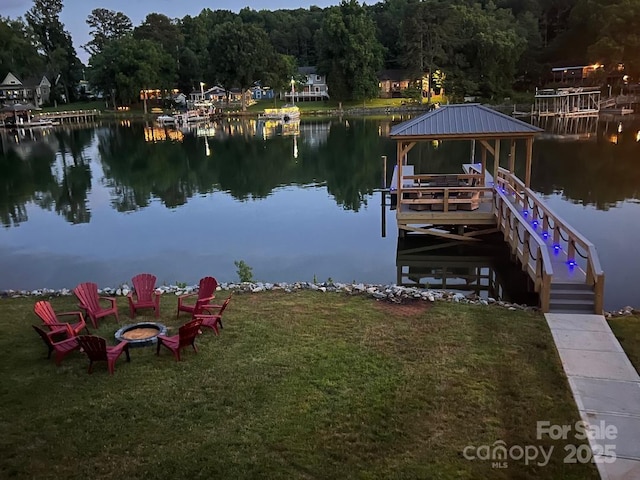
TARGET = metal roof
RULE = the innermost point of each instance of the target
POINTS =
(469, 120)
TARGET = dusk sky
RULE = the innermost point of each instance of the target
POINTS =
(75, 12)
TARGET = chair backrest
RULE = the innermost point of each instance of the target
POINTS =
(95, 347)
(188, 332)
(224, 304)
(207, 287)
(87, 294)
(47, 338)
(144, 284)
(44, 310)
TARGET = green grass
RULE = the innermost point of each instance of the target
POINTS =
(627, 331)
(301, 385)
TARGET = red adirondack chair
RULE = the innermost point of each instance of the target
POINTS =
(44, 310)
(87, 294)
(61, 348)
(144, 294)
(187, 334)
(206, 293)
(97, 350)
(210, 319)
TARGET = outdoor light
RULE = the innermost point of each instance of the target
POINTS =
(535, 224)
(571, 263)
(525, 212)
(556, 248)
(545, 235)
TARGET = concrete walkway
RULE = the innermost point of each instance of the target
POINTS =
(606, 388)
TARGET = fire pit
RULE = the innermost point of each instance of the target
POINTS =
(141, 334)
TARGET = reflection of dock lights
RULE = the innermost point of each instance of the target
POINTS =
(638, 136)
(207, 150)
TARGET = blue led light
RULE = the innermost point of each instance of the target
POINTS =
(545, 235)
(525, 212)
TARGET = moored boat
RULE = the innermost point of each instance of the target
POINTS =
(286, 114)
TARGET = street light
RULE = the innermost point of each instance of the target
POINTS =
(293, 82)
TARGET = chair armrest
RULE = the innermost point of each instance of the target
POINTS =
(186, 295)
(66, 326)
(80, 314)
(110, 299)
(206, 299)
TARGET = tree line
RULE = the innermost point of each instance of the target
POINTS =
(484, 48)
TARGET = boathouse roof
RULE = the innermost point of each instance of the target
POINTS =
(463, 121)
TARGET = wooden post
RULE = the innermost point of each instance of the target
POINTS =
(484, 164)
(527, 178)
(496, 161)
(512, 157)
(399, 179)
(384, 171)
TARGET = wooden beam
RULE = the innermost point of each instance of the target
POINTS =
(527, 175)
(487, 231)
(484, 165)
(405, 150)
(496, 161)
(437, 233)
(488, 147)
(512, 157)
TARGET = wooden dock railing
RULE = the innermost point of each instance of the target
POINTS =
(581, 253)
(445, 192)
(528, 247)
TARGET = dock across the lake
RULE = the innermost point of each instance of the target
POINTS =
(71, 116)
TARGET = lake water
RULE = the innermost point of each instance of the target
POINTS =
(296, 204)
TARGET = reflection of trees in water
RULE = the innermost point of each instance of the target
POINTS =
(243, 165)
(32, 180)
(137, 171)
(599, 173)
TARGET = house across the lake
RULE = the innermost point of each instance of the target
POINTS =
(392, 83)
(314, 87)
(35, 90)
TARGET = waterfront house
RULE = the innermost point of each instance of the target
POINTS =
(259, 92)
(393, 82)
(314, 86)
(35, 90)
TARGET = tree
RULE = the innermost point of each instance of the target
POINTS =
(127, 65)
(349, 53)
(106, 25)
(55, 43)
(241, 55)
(19, 55)
(610, 33)
(161, 30)
(428, 38)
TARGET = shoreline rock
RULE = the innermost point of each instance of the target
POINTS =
(391, 293)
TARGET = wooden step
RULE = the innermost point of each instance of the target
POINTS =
(570, 306)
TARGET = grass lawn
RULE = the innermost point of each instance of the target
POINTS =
(627, 331)
(301, 385)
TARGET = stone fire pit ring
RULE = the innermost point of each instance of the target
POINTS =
(141, 334)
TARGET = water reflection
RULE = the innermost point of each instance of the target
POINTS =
(601, 172)
(483, 269)
(48, 169)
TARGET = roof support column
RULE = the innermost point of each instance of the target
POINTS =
(496, 160)
(527, 177)
(483, 157)
(512, 157)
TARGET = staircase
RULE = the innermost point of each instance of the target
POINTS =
(571, 298)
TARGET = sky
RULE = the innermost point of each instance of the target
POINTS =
(75, 12)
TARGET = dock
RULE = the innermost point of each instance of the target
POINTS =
(71, 116)
(563, 265)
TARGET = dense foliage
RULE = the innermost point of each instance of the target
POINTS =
(487, 47)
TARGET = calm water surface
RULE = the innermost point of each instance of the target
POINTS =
(108, 202)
